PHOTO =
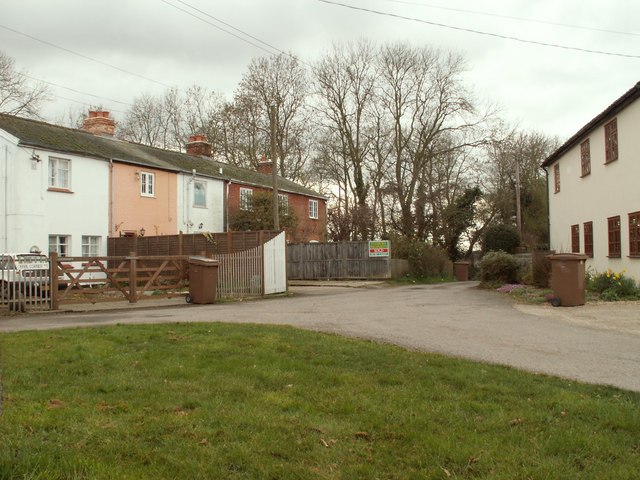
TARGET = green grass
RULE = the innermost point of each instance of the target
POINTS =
(217, 401)
(409, 279)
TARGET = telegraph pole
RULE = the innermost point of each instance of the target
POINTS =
(274, 169)
(518, 207)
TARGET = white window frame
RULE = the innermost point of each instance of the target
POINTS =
(313, 209)
(91, 245)
(203, 184)
(246, 199)
(147, 184)
(60, 173)
(61, 244)
(283, 203)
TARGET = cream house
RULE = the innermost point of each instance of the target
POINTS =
(593, 188)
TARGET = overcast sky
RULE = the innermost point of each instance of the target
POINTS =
(553, 90)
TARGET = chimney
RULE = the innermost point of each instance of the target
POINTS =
(198, 146)
(265, 166)
(99, 123)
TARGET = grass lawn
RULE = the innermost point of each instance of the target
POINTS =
(217, 401)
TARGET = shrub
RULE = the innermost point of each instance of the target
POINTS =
(499, 267)
(425, 260)
(501, 237)
(540, 269)
(612, 286)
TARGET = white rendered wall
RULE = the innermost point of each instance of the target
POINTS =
(610, 190)
(32, 212)
(190, 217)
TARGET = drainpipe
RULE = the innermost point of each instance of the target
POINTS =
(226, 206)
(111, 187)
(546, 172)
(5, 239)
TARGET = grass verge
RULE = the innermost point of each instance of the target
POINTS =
(258, 402)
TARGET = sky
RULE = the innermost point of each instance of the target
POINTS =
(124, 48)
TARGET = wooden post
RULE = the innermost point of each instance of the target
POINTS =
(180, 244)
(133, 274)
(53, 280)
(229, 241)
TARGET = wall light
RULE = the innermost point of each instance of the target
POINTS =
(142, 232)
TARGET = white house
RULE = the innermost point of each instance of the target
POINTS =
(51, 199)
(594, 198)
(200, 203)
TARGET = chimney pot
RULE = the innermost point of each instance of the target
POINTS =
(99, 123)
(198, 145)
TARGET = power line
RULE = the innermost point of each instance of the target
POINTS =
(86, 57)
(509, 17)
(73, 90)
(479, 32)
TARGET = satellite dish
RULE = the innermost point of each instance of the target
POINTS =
(35, 249)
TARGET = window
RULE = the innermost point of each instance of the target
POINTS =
(90, 246)
(585, 157)
(283, 203)
(556, 177)
(588, 238)
(313, 209)
(60, 244)
(246, 199)
(611, 141)
(634, 234)
(614, 236)
(59, 173)
(199, 194)
(575, 238)
(147, 184)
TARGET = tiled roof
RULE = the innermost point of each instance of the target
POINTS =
(629, 97)
(68, 140)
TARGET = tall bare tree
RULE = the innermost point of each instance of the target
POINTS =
(19, 95)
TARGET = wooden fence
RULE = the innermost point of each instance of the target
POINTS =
(189, 243)
(345, 260)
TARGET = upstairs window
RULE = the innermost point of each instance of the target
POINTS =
(59, 173)
(611, 141)
(246, 199)
(585, 157)
(313, 209)
(588, 238)
(614, 236)
(575, 238)
(147, 184)
(556, 177)
(634, 234)
(283, 203)
(199, 194)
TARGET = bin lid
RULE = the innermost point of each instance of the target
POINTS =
(203, 261)
(567, 257)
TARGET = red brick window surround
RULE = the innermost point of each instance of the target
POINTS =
(575, 238)
(556, 177)
(585, 157)
(614, 236)
(611, 141)
(588, 238)
(634, 234)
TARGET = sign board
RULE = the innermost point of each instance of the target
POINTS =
(379, 248)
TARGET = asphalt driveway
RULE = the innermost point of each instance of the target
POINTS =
(584, 343)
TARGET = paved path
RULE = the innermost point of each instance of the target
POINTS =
(454, 319)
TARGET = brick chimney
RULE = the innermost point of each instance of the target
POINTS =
(265, 166)
(198, 146)
(99, 123)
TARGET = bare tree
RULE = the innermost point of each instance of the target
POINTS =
(19, 95)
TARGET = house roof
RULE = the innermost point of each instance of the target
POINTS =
(37, 134)
(629, 97)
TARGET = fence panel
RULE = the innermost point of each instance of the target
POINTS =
(275, 265)
(346, 260)
(24, 285)
(240, 274)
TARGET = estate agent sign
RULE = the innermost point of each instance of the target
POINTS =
(379, 248)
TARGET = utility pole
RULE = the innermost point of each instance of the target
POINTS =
(274, 169)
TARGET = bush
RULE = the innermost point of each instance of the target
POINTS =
(501, 237)
(425, 260)
(540, 269)
(499, 267)
(612, 286)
